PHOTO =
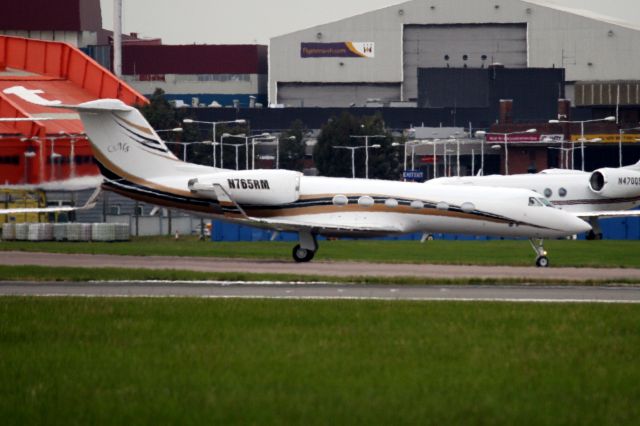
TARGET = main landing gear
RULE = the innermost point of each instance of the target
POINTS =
(307, 248)
(596, 231)
(542, 261)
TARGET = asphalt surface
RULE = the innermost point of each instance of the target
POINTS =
(337, 269)
(272, 290)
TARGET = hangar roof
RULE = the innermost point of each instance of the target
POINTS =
(586, 14)
(36, 73)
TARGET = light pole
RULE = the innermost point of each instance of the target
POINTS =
(41, 155)
(174, 130)
(222, 144)
(253, 146)
(473, 161)
(265, 141)
(53, 157)
(620, 143)
(73, 138)
(366, 149)
(214, 124)
(505, 137)
(413, 144)
(185, 145)
(444, 157)
(236, 146)
(582, 140)
(564, 159)
(27, 156)
(481, 134)
(353, 155)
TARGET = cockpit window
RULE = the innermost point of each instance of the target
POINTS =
(546, 202)
(534, 202)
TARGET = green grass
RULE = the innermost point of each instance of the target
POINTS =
(72, 274)
(190, 361)
(507, 252)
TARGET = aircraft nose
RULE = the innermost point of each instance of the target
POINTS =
(578, 226)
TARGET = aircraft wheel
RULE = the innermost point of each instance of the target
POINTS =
(542, 262)
(301, 254)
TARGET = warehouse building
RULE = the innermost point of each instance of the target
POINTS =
(195, 75)
(377, 58)
(77, 22)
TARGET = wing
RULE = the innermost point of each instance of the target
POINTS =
(609, 214)
(234, 211)
(91, 202)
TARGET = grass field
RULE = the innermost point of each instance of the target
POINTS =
(508, 252)
(188, 361)
(68, 274)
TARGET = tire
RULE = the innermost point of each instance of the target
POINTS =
(301, 255)
(542, 262)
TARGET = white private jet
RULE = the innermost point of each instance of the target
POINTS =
(605, 193)
(136, 163)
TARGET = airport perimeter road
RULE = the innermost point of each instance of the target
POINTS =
(326, 291)
(317, 268)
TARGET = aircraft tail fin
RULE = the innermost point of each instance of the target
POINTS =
(123, 142)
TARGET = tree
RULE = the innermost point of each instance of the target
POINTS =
(162, 115)
(383, 161)
(159, 112)
(292, 147)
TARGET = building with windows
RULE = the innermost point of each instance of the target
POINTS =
(199, 75)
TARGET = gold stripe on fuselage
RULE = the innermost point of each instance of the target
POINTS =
(104, 160)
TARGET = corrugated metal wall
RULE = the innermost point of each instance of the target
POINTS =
(607, 93)
(458, 46)
(335, 95)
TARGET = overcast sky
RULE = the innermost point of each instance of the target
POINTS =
(256, 21)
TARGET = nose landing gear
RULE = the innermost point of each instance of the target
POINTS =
(542, 261)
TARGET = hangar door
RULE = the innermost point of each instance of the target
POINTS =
(326, 95)
(460, 46)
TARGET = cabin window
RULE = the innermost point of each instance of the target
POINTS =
(562, 192)
(468, 207)
(391, 203)
(365, 201)
(340, 200)
(442, 206)
(548, 192)
(417, 204)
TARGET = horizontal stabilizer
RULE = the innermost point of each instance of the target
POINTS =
(91, 202)
(99, 105)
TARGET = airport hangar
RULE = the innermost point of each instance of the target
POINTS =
(434, 61)
(598, 53)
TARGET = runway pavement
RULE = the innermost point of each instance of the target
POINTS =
(339, 269)
(546, 294)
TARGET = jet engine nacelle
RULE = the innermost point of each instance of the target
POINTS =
(615, 182)
(262, 187)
